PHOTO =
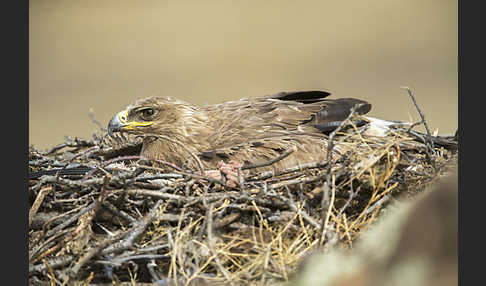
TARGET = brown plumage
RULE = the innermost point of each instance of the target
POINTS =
(249, 130)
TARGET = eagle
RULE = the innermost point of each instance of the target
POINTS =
(247, 131)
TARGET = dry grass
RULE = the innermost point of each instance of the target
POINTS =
(129, 223)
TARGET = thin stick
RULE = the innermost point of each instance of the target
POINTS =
(71, 219)
(54, 262)
(294, 208)
(95, 121)
(352, 195)
(329, 207)
(73, 272)
(193, 176)
(326, 205)
(38, 202)
(137, 229)
(209, 229)
(422, 116)
(330, 144)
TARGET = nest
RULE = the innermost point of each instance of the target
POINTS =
(101, 214)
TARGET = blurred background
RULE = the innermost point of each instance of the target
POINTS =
(103, 55)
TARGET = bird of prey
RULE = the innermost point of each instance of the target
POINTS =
(248, 131)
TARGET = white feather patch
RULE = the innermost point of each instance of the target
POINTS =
(380, 127)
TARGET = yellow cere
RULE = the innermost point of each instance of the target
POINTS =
(123, 115)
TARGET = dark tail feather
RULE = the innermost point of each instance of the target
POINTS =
(301, 96)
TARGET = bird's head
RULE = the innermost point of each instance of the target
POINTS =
(151, 115)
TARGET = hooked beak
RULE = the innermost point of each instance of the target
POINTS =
(117, 122)
(120, 122)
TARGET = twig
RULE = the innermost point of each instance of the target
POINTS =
(209, 229)
(166, 196)
(34, 253)
(111, 208)
(379, 203)
(93, 119)
(77, 143)
(38, 202)
(58, 218)
(41, 218)
(445, 141)
(151, 268)
(84, 221)
(422, 116)
(73, 272)
(119, 260)
(148, 177)
(326, 205)
(295, 209)
(330, 141)
(136, 231)
(111, 161)
(70, 220)
(55, 262)
(189, 174)
(227, 220)
(241, 179)
(352, 195)
(297, 181)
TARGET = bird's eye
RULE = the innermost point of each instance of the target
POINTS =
(147, 112)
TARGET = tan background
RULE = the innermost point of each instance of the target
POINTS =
(105, 54)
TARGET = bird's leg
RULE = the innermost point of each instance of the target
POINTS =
(228, 170)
